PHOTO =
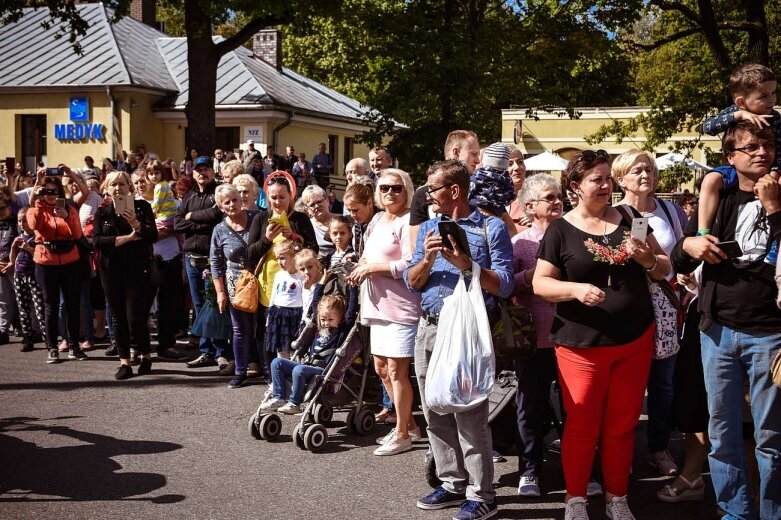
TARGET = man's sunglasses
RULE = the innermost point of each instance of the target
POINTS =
(432, 191)
(50, 191)
(395, 188)
(591, 156)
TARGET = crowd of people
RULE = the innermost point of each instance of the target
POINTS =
(85, 251)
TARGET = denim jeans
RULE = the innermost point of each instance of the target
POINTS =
(207, 346)
(7, 302)
(660, 401)
(243, 337)
(729, 356)
(283, 369)
(387, 402)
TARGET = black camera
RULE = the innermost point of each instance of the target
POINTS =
(53, 172)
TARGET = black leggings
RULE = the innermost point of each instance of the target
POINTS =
(170, 301)
(126, 292)
(53, 279)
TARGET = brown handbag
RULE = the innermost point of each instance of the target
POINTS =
(245, 298)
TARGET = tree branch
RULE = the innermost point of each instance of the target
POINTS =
(726, 26)
(685, 10)
(246, 32)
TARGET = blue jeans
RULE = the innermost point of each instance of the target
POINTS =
(728, 357)
(660, 402)
(282, 369)
(207, 346)
(387, 402)
(243, 338)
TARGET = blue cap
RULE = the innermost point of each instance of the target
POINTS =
(202, 161)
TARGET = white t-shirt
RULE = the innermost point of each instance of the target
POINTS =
(666, 234)
(287, 290)
(89, 207)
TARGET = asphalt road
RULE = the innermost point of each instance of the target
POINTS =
(75, 443)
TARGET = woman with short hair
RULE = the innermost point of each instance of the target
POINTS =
(248, 190)
(316, 202)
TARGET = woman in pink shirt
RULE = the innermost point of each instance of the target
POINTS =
(391, 309)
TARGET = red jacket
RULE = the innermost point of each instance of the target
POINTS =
(48, 227)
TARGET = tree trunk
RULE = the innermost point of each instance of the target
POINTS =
(758, 40)
(710, 31)
(202, 60)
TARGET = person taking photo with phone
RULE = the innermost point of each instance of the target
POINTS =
(57, 228)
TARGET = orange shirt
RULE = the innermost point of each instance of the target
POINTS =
(49, 227)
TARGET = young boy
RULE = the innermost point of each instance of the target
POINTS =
(753, 89)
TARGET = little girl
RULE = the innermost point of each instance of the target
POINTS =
(339, 230)
(28, 294)
(164, 201)
(310, 270)
(332, 331)
(284, 313)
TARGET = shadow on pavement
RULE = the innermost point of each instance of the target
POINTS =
(78, 473)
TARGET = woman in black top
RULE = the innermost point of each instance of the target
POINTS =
(125, 244)
(603, 329)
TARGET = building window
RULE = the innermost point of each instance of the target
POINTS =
(348, 150)
(226, 138)
(33, 141)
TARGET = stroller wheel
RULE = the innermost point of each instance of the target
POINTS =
(315, 437)
(323, 414)
(298, 438)
(270, 426)
(253, 426)
(351, 420)
(364, 422)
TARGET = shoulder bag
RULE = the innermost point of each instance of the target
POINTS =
(245, 296)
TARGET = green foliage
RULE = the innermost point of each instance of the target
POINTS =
(672, 177)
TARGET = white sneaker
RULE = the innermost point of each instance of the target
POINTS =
(414, 435)
(272, 404)
(594, 489)
(529, 486)
(576, 509)
(618, 509)
(394, 446)
(290, 409)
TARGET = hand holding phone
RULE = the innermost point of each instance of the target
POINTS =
(731, 248)
(639, 228)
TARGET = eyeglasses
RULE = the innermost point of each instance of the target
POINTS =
(50, 191)
(432, 191)
(395, 188)
(591, 156)
(753, 149)
(315, 203)
(550, 198)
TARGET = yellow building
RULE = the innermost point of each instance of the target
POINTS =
(556, 132)
(130, 86)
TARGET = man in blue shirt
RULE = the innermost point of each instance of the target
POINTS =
(461, 442)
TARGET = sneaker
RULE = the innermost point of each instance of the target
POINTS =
(145, 366)
(663, 462)
(237, 381)
(223, 362)
(529, 486)
(497, 457)
(27, 346)
(618, 509)
(134, 358)
(441, 498)
(594, 489)
(170, 353)
(290, 409)
(474, 510)
(229, 369)
(124, 372)
(86, 345)
(682, 490)
(394, 446)
(385, 417)
(272, 404)
(204, 360)
(576, 509)
(53, 357)
(414, 435)
(63, 346)
(77, 353)
(111, 350)
(253, 369)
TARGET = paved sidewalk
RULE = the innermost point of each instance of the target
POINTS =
(76, 444)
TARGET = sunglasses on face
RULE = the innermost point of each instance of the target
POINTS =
(395, 188)
(550, 198)
(50, 191)
(591, 156)
(432, 191)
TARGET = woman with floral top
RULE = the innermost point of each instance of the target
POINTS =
(603, 330)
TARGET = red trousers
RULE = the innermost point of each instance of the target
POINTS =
(603, 390)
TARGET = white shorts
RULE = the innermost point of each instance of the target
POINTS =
(395, 340)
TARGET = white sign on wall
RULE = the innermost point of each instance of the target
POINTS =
(253, 132)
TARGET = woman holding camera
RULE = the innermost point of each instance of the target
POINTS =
(124, 233)
(56, 225)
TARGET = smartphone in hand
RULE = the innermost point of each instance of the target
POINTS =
(449, 228)
(60, 204)
(640, 228)
(731, 248)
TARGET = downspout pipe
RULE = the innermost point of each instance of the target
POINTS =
(278, 128)
(112, 141)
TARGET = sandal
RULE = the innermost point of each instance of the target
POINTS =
(683, 491)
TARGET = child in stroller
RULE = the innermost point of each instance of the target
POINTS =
(332, 330)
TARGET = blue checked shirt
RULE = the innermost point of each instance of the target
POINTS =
(726, 118)
(444, 275)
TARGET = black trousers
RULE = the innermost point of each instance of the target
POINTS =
(53, 279)
(170, 301)
(126, 291)
(534, 409)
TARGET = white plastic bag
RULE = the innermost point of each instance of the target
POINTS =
(461, 370)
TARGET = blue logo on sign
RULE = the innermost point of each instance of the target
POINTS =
(79, 108)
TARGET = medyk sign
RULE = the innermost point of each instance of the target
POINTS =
(78, 129)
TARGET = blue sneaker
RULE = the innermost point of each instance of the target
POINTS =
(440, 499)
(474, 510)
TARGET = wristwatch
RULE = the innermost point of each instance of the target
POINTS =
(467, 273)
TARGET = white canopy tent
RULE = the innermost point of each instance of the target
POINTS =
(546, 161)
(671, 159)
